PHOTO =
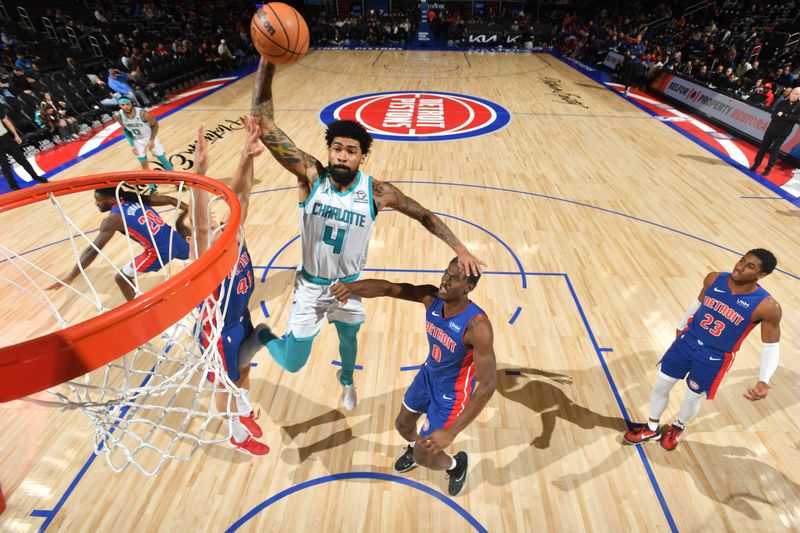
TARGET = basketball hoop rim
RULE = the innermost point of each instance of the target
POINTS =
(37, 364)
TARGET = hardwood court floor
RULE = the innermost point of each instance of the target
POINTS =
(617, 218)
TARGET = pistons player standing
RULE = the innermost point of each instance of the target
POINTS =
(461, 352)
(727, 309)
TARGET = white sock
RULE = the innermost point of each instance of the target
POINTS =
(660, 397)
(411, 444)
(689, 407)
(242, 405)
(240, 434)
(454, 463)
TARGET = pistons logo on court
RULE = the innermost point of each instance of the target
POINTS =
(420, 116)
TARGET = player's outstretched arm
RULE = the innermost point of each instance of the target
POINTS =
(769, 313)
(480, 336)
(306, 167)
(242, 182)
(387, 195)
(199, 199)
(110, 225)
(374, 288)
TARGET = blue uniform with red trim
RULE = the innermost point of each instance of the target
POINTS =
(165, 242)
(238, 325)
(705, 350)
(443, 386)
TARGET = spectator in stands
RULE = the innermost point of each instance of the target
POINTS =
(118, 82)
(784, 117)
(101, 93)
(68, 126)
(743, 68)
(718, 78)
(10, 142)
(73, 70)
(23, 63)
(20, 82)
(701, 74)
(687, 68)
(140, 82)
(784, 78)
(754, 73)
(225, 55)
(760, 94)
(781, 97)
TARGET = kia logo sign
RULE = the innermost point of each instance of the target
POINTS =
(420, 115)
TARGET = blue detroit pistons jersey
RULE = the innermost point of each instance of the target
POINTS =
(138, 216)
(240, 290)
(725, 319)
(449, 364)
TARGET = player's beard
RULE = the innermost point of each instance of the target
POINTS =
(342, 175)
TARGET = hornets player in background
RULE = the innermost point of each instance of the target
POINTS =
(237, 341)
(727, 309)
(339, 204)
(142, 224)
(461, 352)
(140, 128)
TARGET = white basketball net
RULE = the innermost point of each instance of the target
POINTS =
(153, 404)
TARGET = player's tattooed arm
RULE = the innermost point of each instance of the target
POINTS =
(387, 195)
(306, 167)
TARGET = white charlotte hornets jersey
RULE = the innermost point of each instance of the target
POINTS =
(138, 127)
(336, 227)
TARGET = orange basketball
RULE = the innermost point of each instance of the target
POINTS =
(279, 33)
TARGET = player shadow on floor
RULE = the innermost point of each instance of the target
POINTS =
(708, 160)
(736, 479)
(550, 402)
(272, 292)
(738, 381)
(322, 429)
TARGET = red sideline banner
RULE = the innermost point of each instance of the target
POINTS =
(735, 114)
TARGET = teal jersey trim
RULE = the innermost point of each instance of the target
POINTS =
(350, 188)
(372, 208)
(313, 190)
(326, 281)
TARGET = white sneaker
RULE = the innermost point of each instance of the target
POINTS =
(348, 394)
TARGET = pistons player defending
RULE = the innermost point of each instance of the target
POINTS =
(238, 340)
(461, 352)
(728, 307)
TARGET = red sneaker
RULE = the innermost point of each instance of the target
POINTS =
(249, 423)
(671, 438)
(642, 434)
(250, 446)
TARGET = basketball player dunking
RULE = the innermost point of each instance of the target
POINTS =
(141, 130)
(339, 205)
(237, 343)
(461, 352)
(727, 309)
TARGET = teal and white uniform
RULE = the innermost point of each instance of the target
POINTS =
(140, 130)
(335, 232)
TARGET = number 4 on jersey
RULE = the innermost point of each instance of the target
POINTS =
(337, 242)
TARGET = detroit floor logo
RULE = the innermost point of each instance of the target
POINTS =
(420, 115)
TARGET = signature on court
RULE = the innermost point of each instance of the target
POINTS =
(182, 161)
(564, 96)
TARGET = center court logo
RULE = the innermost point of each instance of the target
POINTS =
(420, 115)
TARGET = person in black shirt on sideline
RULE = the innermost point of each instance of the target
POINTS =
(784, 116)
